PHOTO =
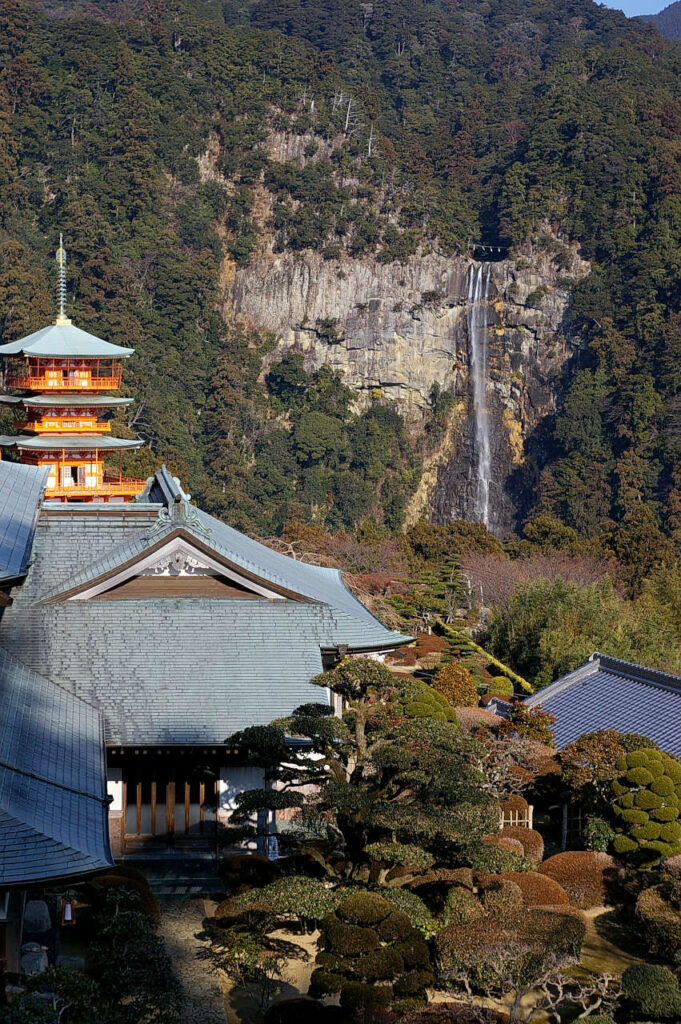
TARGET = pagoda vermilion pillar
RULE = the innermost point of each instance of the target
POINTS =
(65, 378)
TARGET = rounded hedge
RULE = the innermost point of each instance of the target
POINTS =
(660, 923)
(646, 801)
(366, 908)
(369, 948)
(501, 686)
(652, 992)
(413, 907)
(588, 877)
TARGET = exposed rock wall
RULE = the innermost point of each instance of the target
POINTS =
(396, 329)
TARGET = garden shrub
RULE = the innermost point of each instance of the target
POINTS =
(365, 908)
(589, 878)
(400, 853)
(396, 926)
(427, 702)
(531, 841)
(500, 686)
(515, 804)
(367, 941)
(413, 906)
(598, 833)
(350, 939)
(358, 996)
(601, 1018)
(653, 778)
(538, 890)
(660, 923)
(505, 843)
(651, 992)
(414, 951)
(502, 897)
(456, 685)
(527, 936)
(130, 881)
(307, 899)
(488, 856)
(381, 965)
(461, 907)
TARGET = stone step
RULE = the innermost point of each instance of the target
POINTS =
(186, 888)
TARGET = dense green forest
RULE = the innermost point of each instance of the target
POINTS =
(434, 124)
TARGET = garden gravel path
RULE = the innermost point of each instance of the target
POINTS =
(180, 928)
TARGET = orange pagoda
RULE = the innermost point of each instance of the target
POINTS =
(66, 377)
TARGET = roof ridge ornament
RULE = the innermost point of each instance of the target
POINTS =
(62, 319)
(179, 513)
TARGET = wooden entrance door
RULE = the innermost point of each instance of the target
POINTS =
(169, 804)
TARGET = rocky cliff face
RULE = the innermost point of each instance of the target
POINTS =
(395, 330)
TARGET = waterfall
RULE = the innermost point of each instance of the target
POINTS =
(478, 307)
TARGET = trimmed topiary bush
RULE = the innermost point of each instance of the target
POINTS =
(413, 907)
(500, 686)
(526, 937)
(456, 685)
(427, 702)
(590, 879)
(651, 993)
(660, 923)
(461, 907)
(647, 797)
(306, 899)
(371, 953)
(538, 890)
(530, 840)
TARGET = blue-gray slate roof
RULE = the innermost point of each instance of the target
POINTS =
(53, 805)
(606, 693)
(178, 670)
(21, 492)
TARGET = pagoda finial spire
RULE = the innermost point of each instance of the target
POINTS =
(62, 318)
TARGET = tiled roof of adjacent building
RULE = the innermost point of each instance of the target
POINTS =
(53, 805)
(21, 491)
(606, 693)
(178, 670)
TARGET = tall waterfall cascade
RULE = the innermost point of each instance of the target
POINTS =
(479, 281)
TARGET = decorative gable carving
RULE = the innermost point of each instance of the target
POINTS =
(178, 559)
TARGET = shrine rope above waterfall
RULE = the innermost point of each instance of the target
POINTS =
(479, 280)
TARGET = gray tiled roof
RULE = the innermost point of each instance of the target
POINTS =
(21, 491)
(49, 401)
(171, 670)
(64, 340)
(319, 584)
(68, 442)
(606, 693)
(53, 807)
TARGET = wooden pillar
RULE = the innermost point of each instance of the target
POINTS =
(170, 809)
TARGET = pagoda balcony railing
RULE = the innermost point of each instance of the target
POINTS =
(118, 488)
(66, 375)
(68, 383)
(64, 427)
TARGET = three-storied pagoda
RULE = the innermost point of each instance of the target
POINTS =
(66, 376)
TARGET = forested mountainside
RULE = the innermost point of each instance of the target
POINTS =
(667, 22)
(179, 146)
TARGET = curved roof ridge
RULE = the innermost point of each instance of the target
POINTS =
(642, 672)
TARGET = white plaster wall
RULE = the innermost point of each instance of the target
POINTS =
(114, 786)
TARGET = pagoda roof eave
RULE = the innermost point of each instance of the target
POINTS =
(68, 442)
(64, 341)
(47, 401)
